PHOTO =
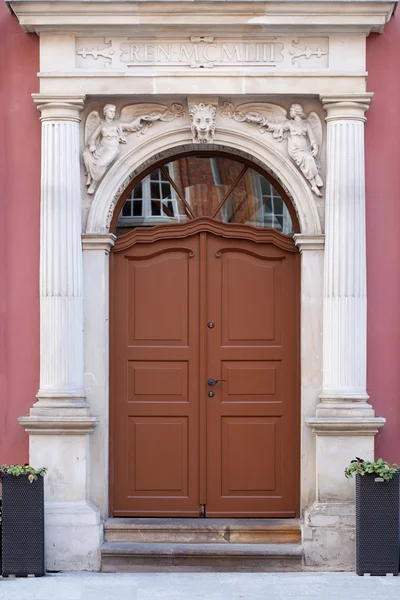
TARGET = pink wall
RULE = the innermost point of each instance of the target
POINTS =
(19, 239)
(383, 234)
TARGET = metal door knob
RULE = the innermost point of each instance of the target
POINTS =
(214, 381)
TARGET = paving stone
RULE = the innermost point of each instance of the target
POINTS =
(199, 586)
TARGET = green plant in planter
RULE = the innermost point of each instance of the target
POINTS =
(17, 470)
(380, 468)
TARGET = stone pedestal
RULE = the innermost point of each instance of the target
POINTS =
(344, 422)
(60, 421)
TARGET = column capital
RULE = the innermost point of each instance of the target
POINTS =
(59, 107)
(305, 241)
(98, 241)
(346, 106)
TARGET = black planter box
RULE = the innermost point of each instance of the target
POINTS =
(22, 527)
(377, 525)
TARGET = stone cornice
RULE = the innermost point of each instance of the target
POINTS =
(62, 425)
(305, 241)
(94, 241)
(345, 426)
(67, 15)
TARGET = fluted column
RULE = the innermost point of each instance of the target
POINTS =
(344, 421)
(59, 422)
(344, 413)
(344, 394)
(345, 291)
(61, 285)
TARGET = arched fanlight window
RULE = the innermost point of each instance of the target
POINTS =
(195, 185)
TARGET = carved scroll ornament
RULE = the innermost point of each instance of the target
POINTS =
(303, 133)
(103, 136)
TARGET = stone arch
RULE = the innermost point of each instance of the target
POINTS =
(167, 144)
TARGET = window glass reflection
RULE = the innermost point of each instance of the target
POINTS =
(254, 201)
(205, 186)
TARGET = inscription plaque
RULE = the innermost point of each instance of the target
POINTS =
(203, 52)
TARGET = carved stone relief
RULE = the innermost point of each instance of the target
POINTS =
(104, 136)
(203, 52)
(302, 132)
(202, 118)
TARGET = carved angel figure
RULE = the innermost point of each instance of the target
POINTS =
(304, 134)
(103, 136)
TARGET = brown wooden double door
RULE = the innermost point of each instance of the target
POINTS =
(186, 310)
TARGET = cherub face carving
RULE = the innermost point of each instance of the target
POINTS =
(203, 122)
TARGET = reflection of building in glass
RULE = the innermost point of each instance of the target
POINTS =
(205, 186)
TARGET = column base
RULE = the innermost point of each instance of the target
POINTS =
(354, 416)
(329, 537)
(73, 536)
(60, 403)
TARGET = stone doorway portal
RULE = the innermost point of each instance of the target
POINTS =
(205, 344)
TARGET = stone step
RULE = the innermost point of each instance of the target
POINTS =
(130, 557)
(203, 531)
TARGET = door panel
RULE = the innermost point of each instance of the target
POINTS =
(252, 421)
(155, 373)
(243, 443)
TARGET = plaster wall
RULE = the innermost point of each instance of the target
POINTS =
(20, 239)
(383, 240)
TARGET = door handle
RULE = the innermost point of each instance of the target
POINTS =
(214, 381)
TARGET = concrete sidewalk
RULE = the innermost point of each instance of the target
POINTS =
(199, 586)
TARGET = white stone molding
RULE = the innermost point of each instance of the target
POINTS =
(251, 47)
(303, 133)
(104, 136)
(155, 147)
(346, 425)
(73, 537)
(230, 136)
(344, 422)
(202, 119)
(63, 425)
(60, 421)
(306, 242)
(96, 250)
(345, 290)
(92, 241)
(61, 284)
(312, 264)
(365, 16)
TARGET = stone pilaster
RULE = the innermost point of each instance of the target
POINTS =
(312, 268)
(61, 284)
(344, 393)
(96, 249)
(345, 288)
(344, 421)
(59, 422)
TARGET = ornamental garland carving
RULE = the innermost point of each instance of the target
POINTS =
(302, 132)
(103, 136)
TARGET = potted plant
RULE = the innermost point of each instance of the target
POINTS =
(22, 520)
(1, 518)
(377, 516)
